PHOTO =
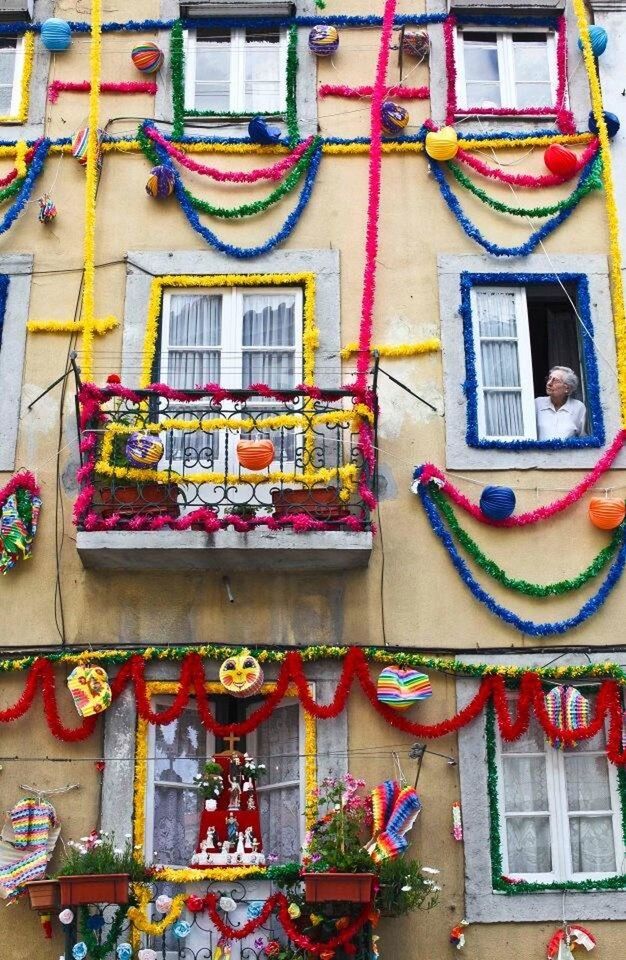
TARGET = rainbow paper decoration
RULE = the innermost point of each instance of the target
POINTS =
(392, 841)
(399, 688)
(567, 708)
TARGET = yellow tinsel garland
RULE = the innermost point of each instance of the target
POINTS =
(392, 350)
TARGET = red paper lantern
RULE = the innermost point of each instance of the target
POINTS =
(560, 161)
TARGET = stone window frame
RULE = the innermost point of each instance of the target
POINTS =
(459, 455)
(34, 127)
(19, 268)
(482, 903)
(578, 96)
(306, 81)
(324, 264)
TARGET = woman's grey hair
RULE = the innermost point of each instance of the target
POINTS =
(569, 377)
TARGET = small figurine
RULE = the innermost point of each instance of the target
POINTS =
(209, 843)
(248, 786)
(232, 829)
(251, 803)
(240, 850)
(248, 837)
(225, 846)
(234, 802)
(255, 845)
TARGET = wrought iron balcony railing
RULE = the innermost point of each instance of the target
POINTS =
(315, 470)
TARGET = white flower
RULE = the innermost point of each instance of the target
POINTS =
(430, 870)
(406, 888)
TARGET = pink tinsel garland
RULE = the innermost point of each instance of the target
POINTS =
(84, 86)
(274, 172)
(431, 472)
(525, 179)
(24, 480)
(373, 200)
(354, 93)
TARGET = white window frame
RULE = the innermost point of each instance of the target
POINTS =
(506, 67)
(559, 816)
(237, 80)
(524, 359)
(18, 70)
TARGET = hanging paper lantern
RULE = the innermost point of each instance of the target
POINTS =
(260, 131)
(568, 709)
(394, 118)
(255, 454)
(80, 144)
(163, 903)
(160, 183)
(47, 209)
(606, 512)
(56, 35)
(416, 43)
(181, 929)
(442, 144)
(147, 57)
(497, 503)
(90, 690)
(143, 450)
(399, 688)
(241, 675)
(560, 161)
(323, 40)
(599, 39)
(612, 124)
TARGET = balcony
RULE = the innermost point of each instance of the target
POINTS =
(229, 480)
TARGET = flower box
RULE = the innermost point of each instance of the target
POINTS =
(94, 888)
(44, 894)
(145, 499)
(323, 887)
(320, 503)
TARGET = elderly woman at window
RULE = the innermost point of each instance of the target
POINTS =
(559, 415)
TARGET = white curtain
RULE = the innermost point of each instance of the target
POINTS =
(262, 70)
(278, 747)
(7, 74)
(195, 323)
(499, 362)
(269, 321)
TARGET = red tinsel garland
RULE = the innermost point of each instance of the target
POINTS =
(355, 668)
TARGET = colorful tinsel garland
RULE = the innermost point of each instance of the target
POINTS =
(532, 181)
(57, 87)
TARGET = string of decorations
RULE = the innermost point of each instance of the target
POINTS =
(589, 608)
(593, 183)
(57, 87)
(525, 179)
(524, 586)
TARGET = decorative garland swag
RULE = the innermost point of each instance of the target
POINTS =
(355, 668)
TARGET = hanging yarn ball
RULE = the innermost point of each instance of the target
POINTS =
(399, 688)
(612, 124)
(147, 57)
(80, 143)
(323, 40)
(394, 118)
(260, 131)
(568, 709)
(160, 183)
(606, 512)
(416, 43)
(497, 503)
(143, 450)
(599, 39)
(560, 161)
(181, 929)
(47, 209)
(56, 35)
(241, 675)
(442, 144)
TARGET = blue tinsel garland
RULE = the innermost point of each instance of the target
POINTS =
(23, 196)
(243, 253)
(597, 436)
(4, 289)
(589, 608)
(472, 231)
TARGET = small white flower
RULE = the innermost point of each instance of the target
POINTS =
(430, 870)
(406, 888)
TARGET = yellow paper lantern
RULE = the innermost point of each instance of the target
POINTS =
(442, 144)
(606, 512)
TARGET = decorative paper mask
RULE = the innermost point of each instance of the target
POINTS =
(241, 675)
(90, 690)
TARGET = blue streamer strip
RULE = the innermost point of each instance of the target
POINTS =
(494, 249)
(243, 253)
(597, 436)
(23, 196)
(4, 289)
(529, 627)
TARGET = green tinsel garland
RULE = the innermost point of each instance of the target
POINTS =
(177, 66)
(513, 888)
(524, 586)
(11, 190)
(593, 183)
(293, 130)
(99, 951)
(245, 209)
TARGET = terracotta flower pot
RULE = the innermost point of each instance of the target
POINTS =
(321, 503)
(324, 887)
(255, 454)
(147, 499)
(94, 888)
(44, 894)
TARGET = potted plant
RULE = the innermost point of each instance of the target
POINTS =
(44, 895)
(211, 783)
(95, 870)
(336, 865)
(320, 503)
(245, 511)
(404, 885)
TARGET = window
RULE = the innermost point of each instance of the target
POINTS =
(558, 810)
(506, 68)
(11, 67)
(241, 71)
(515, 332)
(15, 282)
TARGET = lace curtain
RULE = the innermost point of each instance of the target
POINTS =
(278, 747)
(499, 362)
(195, 325)
(269, 321)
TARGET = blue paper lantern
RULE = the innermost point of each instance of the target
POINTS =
(161, 182)
(497, 503)
(612, 124)
(599, 39)
(56, 35)
(262, 132)
(143, 450)
(394, 118)
(323, 40)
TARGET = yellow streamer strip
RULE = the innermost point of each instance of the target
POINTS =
(22, 113)
(391, 350)
(70, 326)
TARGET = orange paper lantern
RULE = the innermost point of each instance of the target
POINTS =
(606, 513)
(255, 454)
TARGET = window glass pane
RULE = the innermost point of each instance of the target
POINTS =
(280, 823)
(503, 415)
(530, 59)
(533, 741)
(278, 745)
(484, 95)
(214, 97)
(528, 844)
(481, 60)
(212, 62)
(7, 61)
(178, 747)
(500, 364)
(587, 782)
(273, 368)
(496, 313)
(525, 784)
(269, 321)
(533, 95)
(176, 819)
(213, 66)
(188, 369)
(195, 321)
(592, 846)
(265, 35)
